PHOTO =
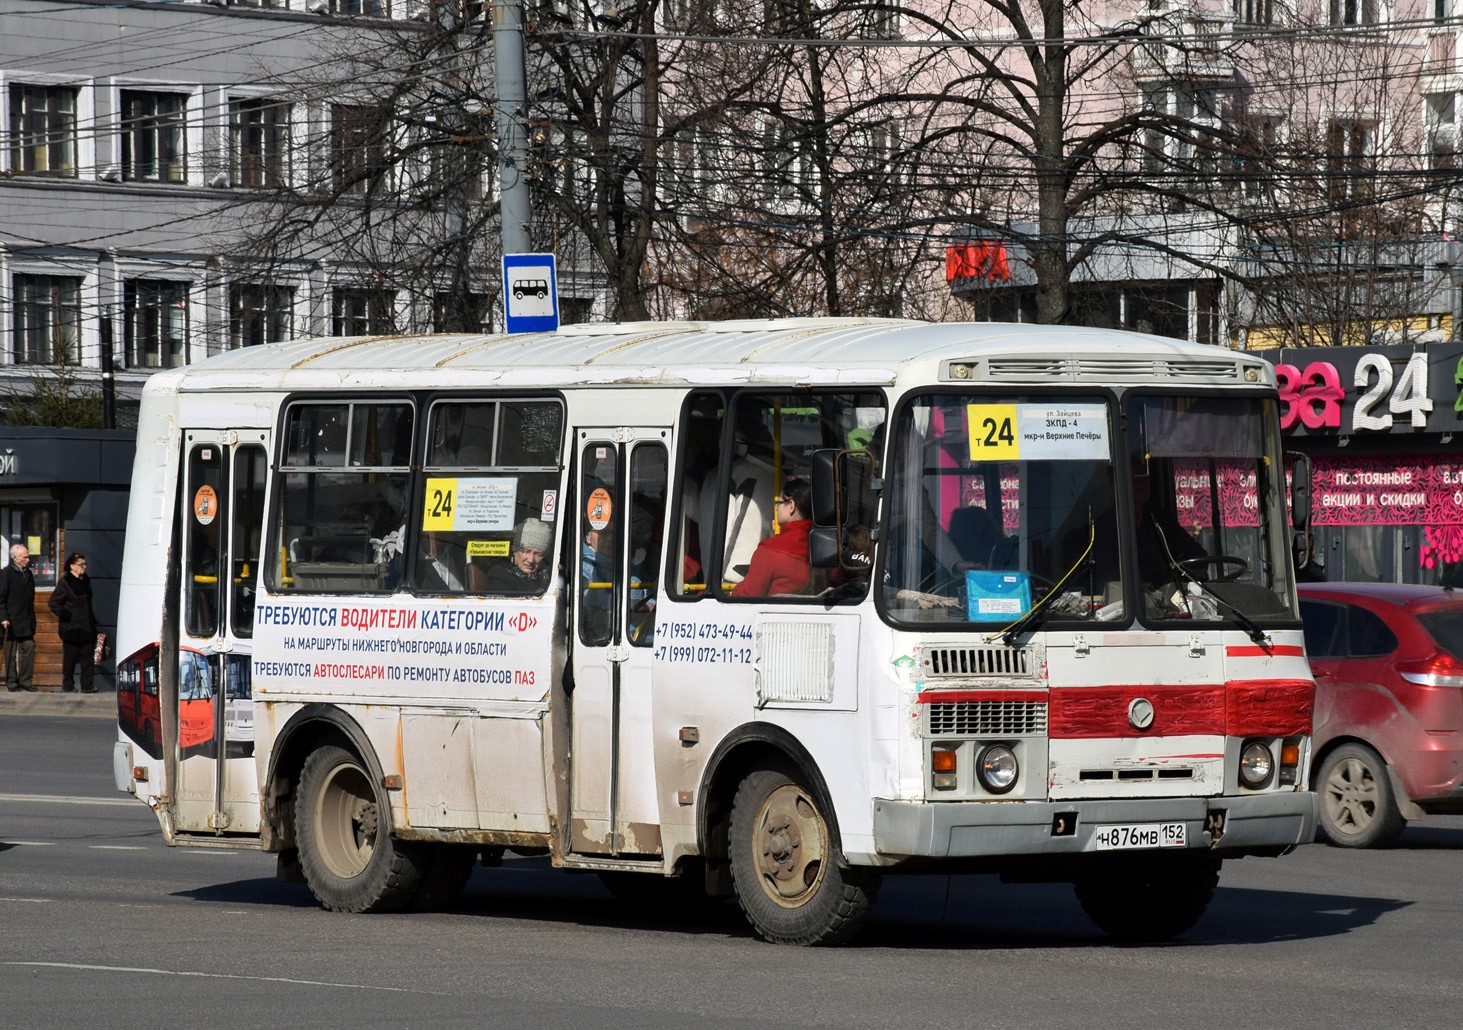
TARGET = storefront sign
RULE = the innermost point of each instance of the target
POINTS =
(1386, 491)
(1370, 390)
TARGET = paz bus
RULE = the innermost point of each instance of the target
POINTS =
(1034, 613)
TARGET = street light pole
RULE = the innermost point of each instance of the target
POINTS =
(510, 109)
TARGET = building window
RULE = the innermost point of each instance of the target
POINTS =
(363, 8)
(357, 146)
(259, 313)
(1353, 12)
(152, 136)
(362, 312)
(33, 525)
(1254, 12)
(156, 324)
(1347, 174)
(259, 134)
(575, 310)
(47, 320)
(468, 315)
(43, 130)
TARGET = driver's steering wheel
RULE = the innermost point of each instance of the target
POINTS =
(1191, 565)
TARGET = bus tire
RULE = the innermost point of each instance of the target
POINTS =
(1357, 806)
(446, 868)
(1151, 901)
(785, 866)
(350, 861)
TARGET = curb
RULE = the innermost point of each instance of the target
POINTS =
(101, 705)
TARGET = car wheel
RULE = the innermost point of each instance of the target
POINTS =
(1358, 806)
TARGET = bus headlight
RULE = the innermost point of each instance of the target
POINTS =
(1256, 763)
(997, 769)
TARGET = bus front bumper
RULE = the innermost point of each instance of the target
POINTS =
(970, 829)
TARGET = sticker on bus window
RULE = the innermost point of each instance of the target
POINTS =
(470, 504)
(205, 505)
(599, 510)
(487, 548)
(1038, 432)
(549, 507)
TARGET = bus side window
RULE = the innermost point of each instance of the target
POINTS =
(764, 493)
(648, 476)
(342, 498)
(700, 442)
(480, 524)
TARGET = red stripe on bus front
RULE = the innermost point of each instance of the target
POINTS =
(1239, 708)
(1270, 708)
(934, 696)
(1260, 651)
(1091, 712)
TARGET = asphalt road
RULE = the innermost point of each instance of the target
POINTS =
(102, 926)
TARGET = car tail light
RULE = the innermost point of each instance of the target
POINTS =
(1441, 670)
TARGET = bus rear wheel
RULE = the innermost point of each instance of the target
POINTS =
(1152, 901)
(349, 859)
(785, 866)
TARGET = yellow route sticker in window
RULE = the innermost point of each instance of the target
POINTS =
(441, 498)
(487, 548)
(993, 432)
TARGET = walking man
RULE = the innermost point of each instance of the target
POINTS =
(18, 619)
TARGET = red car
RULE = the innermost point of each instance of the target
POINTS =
(1388, 744)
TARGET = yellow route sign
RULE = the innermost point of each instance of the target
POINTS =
(993, 432)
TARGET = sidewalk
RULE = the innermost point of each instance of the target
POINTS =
(101, 705)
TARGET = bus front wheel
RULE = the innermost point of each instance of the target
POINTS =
(785, 867)
(1151, 901)
(349, 859)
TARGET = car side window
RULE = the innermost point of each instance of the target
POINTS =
(1325, 628)
(1367, 635)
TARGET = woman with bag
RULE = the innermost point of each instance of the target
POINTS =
(71, 601)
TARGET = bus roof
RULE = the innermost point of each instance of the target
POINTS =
(820, 351)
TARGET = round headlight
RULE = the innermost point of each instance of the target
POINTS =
(1256, 763)
(997, 769)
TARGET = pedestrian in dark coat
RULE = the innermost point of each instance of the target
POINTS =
(71, 601)
(18, 619)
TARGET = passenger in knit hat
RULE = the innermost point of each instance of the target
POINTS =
(527, 567)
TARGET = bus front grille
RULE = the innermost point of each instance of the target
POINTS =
(976, 661)
(985, 718)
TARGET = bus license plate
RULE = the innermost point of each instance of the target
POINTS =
(1137, 835)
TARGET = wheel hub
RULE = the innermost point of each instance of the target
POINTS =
(790, 846)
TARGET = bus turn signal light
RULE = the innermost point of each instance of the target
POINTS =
(943, 764)
(139, 773)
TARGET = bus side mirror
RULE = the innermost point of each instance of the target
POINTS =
(1300, 491)
(824, 486)
(823, 547)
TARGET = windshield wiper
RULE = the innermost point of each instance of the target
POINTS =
(1028, 619)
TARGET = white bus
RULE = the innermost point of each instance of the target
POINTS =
(764, 609)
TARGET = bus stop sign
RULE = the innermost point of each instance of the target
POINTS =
(530, 293)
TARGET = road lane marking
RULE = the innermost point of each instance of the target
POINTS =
(117, 847)
(33, 901)
(55, 799)
(29, 843)
(221, 976)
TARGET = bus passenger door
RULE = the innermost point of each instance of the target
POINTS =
(216, 787)
(618, 527)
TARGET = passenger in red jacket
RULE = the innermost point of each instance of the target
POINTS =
(780, 563)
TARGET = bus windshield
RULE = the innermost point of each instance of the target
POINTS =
(1209, 510)
(998, 500)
